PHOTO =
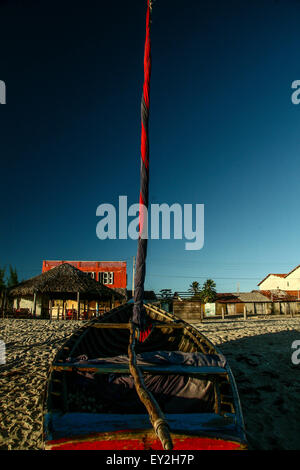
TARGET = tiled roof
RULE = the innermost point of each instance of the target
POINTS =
(281, 295)
(227, 297)
(254, 296)
(280, 275)
(272, 274)
(294, 269)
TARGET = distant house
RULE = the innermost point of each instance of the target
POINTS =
(237, 303)
(287, 282)
(283, 301)
(228, 303)
(110, 273)
(258, 302)
(240, 303)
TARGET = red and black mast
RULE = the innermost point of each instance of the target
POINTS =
(139, 317)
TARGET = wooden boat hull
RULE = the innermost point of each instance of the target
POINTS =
(66, 429)
(142, 441)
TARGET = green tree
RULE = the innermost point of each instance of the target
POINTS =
(13, 277)
(166, 293)
(2, 285)
(2, 281)
(195, 289)
(208, 291)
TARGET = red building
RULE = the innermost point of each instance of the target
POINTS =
(111, 273)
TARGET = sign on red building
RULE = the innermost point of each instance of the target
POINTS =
(110, 273)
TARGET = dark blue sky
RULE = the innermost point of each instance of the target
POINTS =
(223, 132)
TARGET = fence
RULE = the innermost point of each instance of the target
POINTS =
(54, 313)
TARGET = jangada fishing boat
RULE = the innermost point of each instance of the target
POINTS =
(92, 402)
(138, 377)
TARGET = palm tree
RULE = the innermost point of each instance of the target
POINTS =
(208, 292)
(195, 289)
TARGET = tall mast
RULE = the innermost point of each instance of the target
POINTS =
(138, 309)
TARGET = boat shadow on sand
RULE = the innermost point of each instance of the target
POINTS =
(269, 388)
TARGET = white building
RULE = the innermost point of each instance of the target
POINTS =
(287, 282)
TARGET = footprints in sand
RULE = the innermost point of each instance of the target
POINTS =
(258, 352)
(31, 346)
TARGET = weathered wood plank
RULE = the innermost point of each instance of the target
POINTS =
(74, 424)
(126, 326)
(153, 369)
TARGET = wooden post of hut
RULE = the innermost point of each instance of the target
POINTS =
(245, 312)
(223, 312)
(50, 309)
(3, 303)
(78, 306)
(34, 305)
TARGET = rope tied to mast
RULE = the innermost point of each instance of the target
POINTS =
(156, 416)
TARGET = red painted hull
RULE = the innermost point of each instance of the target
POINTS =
(180, 442)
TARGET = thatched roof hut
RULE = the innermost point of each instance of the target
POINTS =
(61, 281)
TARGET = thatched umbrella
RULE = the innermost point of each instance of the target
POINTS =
(64, 282)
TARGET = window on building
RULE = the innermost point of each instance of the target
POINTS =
(106, 277)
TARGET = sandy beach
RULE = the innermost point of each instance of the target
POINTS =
(258, 350)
